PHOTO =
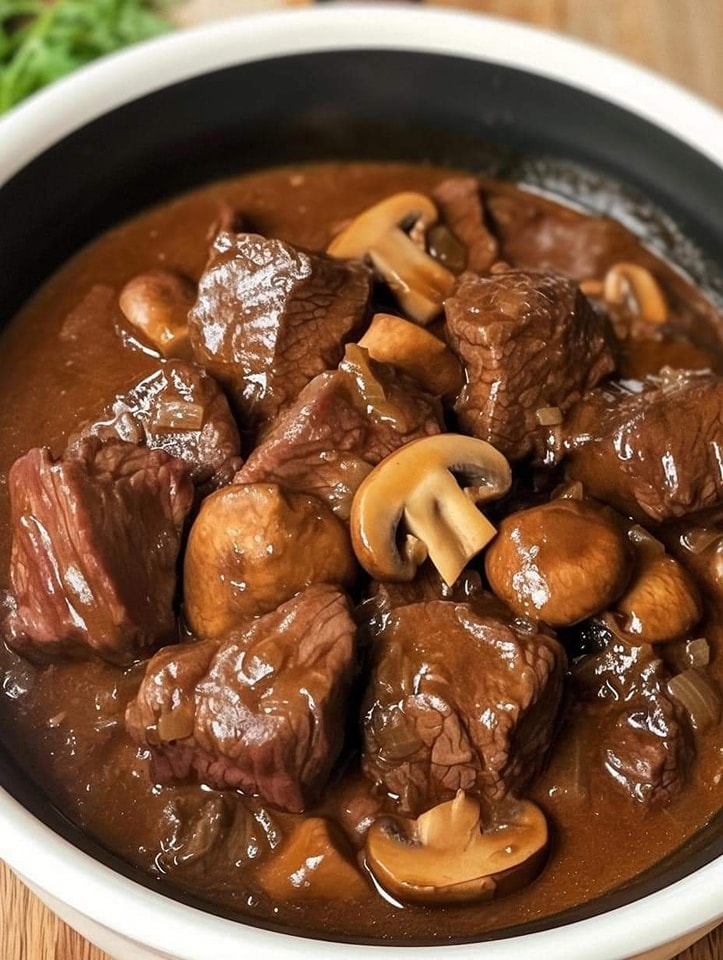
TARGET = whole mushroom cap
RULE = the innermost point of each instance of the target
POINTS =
(253, 546)
(560, 562)
(661, 603)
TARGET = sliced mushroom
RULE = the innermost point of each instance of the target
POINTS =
(629, 284)
(419, 282)
(253, 546)
(156, 303)
(415, 351)
(446, 855)
(560, 562)
(417, 483)
(661, 603)
(315, 863)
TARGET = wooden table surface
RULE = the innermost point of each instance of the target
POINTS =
(680, 38)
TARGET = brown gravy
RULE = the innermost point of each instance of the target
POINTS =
(64, 722)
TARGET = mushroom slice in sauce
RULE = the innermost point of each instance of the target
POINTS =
(446, 855)
(315, 863)
(417, 484)
(419, 282)
(415, 351)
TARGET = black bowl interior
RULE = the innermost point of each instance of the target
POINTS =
(380, 105)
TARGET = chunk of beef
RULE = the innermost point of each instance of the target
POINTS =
(458, 700)
(537, 236)
(180, 409)
(651, 449)
(95, 544)
(460, 203)
(261, 711)
(342, 424)
(270, 317)
(643, 736)
(206, 837)
(527, 341)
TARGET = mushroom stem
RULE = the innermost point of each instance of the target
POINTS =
(419, 283)
(444, 518)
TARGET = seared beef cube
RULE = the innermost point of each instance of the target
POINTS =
(528, 342)
(460, 203)
(179, 409)
(261, 711)
(458, 701)
(653, 452)
(95, 545)
(644, 738)
(342, 424)
(270, 317)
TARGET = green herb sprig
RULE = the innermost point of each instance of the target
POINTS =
(41, 42)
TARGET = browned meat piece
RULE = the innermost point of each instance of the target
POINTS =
(95, 545)
(458, 700)
(644, 738)
(270, 317)
(342, 424)
(528, 341)
(537, 236)
(179, 409)
(261, 711)
(653, 452)
(460, 203)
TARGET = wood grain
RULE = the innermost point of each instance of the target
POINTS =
(682, 39)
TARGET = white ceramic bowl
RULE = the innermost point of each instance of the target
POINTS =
(128, 920)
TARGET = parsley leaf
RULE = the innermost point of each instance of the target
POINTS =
(41, 42)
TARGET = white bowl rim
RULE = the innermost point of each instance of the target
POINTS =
(49, 861)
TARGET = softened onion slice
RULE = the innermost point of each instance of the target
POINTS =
(699, 539)
(644, 542)
(178, 415)
(700, 696)
(570, 490)
(698, 652)
(549, 416)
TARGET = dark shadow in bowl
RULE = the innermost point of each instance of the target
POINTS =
(362, 105)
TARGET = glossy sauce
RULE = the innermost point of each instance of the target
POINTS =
(65, 722)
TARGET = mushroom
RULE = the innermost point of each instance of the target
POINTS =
(417, 484)
(631, 285)
(661, 603)
(253, 546)
(559, 562)
(446, 855)
(419, 282)
(415, 351)
(315, 863)
(156, 303)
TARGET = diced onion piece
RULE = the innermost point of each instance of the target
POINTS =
(644, 542)
(700, 697)
(698, 652)
(549, 416)
(699, 539)
(178, 415)
(370, 389)
(573, 490)
(176, 725)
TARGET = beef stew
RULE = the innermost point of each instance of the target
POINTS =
(282, 757)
